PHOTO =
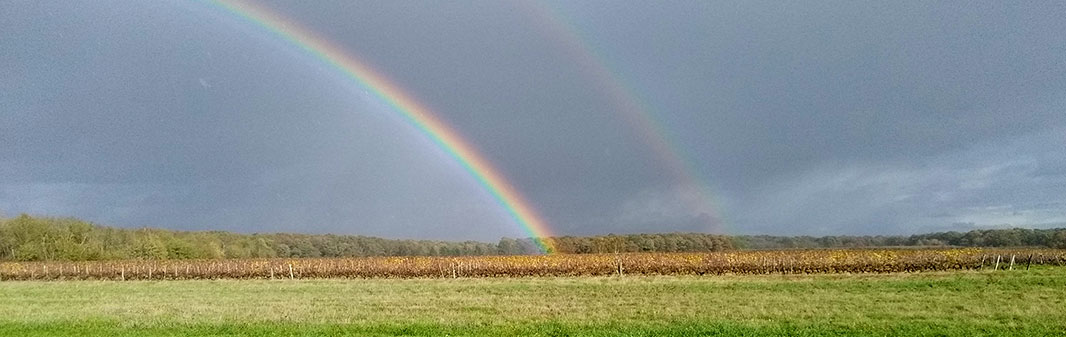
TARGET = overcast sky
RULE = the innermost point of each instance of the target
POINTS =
(815, 118)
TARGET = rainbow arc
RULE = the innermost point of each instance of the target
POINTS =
(420, 116)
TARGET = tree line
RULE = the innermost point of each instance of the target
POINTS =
(1013, 237)
(29, 238)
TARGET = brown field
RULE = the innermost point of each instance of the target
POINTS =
(736, 262)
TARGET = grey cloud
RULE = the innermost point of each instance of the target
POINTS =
(985, 185)
(836, 117)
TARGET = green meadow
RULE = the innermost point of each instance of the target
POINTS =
(1009, 303)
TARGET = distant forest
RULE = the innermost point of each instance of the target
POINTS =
(28, 238)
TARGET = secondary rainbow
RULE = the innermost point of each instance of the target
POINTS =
(416, 113)
(628, 105)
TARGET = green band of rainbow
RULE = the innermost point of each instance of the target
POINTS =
(417, 114)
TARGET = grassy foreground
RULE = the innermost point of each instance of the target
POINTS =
(1022, 303)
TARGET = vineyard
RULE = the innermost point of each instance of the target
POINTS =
(737, 262)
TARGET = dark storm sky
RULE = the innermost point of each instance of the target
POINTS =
(807, 118)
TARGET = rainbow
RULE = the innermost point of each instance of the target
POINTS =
(626, 103)
(412, 110)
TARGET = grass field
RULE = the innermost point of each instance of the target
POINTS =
(963, 303)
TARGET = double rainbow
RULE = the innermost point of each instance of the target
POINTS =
(414, 112)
